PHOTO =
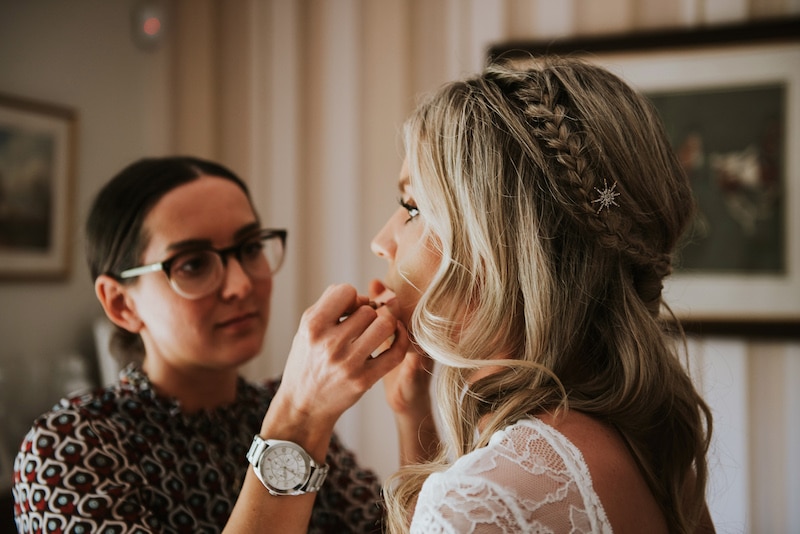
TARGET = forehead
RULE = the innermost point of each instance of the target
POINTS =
(209, 207)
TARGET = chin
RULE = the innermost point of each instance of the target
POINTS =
(241, 353)
(405, 315)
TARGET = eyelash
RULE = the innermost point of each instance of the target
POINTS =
(412, 210)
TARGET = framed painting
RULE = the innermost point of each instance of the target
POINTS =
(729, 98)
(37, 164)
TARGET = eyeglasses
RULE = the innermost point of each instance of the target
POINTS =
(197, 273)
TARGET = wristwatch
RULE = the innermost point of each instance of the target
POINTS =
(284, 467)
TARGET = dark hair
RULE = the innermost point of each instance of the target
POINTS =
(115, 240)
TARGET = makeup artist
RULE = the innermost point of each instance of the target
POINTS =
(181, 443)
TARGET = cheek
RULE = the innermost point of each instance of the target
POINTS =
(179, 315)
(419, 263)
(160, 308)
(415, 273)
(406, 299)
(263, 294)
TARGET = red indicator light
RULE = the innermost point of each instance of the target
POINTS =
(151, 26)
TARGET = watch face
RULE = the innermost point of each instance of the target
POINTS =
(284, 466)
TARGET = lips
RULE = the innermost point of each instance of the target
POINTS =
(388, 298)
(238, 320)
(385, 297)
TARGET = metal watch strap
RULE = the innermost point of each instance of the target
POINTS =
(257, 448)
(315, 478)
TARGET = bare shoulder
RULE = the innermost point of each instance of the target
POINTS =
(628, 502)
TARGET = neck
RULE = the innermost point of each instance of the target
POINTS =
(195, 388)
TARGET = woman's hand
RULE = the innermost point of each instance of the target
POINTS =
(407, 386)
(330, 365)
(407, 390)
(329, 368)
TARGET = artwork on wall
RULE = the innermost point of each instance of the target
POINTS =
(37, 164)
(729, 98)
(738, 175)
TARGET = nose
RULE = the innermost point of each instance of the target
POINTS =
(236, 283)
(383, 244)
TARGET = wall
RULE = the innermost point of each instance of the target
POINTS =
(76, 54)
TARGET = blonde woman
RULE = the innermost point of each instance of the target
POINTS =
(540, 208)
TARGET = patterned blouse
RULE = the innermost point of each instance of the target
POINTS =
(125, 460)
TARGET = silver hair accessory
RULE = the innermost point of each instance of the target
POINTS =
(607, 196)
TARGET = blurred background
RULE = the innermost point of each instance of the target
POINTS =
(305, 99)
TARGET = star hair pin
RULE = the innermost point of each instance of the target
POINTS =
(607, 196)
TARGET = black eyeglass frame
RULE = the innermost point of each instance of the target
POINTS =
(223, 253)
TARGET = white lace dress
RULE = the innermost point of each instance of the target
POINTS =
(529, 478)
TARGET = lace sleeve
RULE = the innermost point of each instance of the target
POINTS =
(528, 479)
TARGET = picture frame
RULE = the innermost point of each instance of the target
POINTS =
(37, 166)
(699, 79)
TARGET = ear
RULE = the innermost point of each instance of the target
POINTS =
(117, 303)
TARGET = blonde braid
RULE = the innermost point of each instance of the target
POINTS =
(562, 140)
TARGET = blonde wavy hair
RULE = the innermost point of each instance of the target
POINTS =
(506, 169)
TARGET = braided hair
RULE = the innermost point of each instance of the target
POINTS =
(557, 203)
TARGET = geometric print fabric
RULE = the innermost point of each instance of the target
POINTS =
(125, 460)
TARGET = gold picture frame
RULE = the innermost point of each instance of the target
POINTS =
(37, 167)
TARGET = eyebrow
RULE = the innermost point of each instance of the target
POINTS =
(403, 184)
(240, 234)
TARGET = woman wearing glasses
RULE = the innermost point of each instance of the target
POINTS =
(184, 270)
